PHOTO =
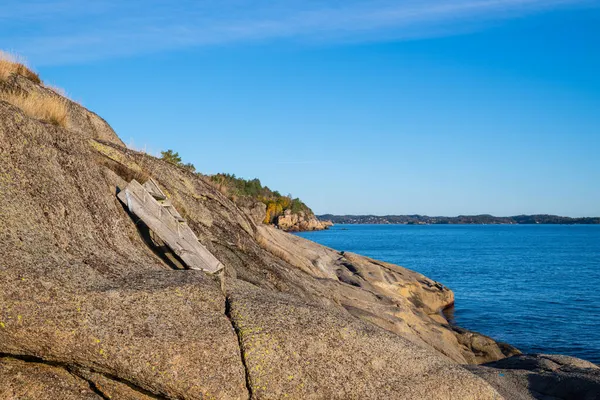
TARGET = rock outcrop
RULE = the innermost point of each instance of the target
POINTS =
(289, 221)
(288, 355)
(91, 308)
(301, 222)
(79, 118)
(542, 377)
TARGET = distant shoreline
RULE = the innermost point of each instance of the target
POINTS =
(537, 219)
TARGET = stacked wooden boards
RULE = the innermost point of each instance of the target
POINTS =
(152, 206)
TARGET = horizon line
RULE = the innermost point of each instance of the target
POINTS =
(455, 216)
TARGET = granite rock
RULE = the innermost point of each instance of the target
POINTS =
(542, 377)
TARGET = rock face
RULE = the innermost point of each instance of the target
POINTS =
(79, 287)
(91, 308)
(288, 355)
(301, 222)
(31, 380)
(394, 298)
(542, 377)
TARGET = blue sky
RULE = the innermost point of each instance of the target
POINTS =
(385, 107)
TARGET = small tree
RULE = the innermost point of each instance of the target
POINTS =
(297, 206)
(171, 156)
(190, 167)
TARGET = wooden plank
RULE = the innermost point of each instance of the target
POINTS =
(178, 236)
(152, 187)
(171, 208)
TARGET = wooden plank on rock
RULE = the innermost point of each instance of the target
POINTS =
(171, 208)
(152, 187)
(178, 236)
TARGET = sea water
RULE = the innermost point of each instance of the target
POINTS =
(536, 287)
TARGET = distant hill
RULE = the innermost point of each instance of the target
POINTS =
(461, 219)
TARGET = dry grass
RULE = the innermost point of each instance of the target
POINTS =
(122, 170)
(57, 90)
(51, 109)
(224, 189)
(15, 65)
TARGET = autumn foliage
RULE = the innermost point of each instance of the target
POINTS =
(276, 204)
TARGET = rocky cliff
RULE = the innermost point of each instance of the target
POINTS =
(266, 205)
(91, 308)
(301, 222)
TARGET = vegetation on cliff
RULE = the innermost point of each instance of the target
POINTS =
(44, 106)
(11, 65)
(276, 203)
(240, 189)
(173, 157)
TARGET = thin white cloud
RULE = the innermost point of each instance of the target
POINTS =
(301, 162)
(66, 31)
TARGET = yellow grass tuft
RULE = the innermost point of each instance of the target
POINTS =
(51, 109)
(14, 65)
(58, 90)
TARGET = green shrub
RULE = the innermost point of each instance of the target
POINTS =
(171, 156)
(275, 202)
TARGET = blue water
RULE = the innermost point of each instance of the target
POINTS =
(536, 287)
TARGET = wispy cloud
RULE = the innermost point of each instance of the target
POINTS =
(301, 162)
(66, 31)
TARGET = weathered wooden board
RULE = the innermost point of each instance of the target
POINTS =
(177, 235)
(171, 209)
(152, 187)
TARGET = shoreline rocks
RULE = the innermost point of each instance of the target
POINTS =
(541, 377)
(289, 222)
(301, 222)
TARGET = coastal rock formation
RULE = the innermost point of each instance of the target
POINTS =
(265, 205)
(301, 222)
(394, 298)
(90, 306)
(288, 355)
(542, 377)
